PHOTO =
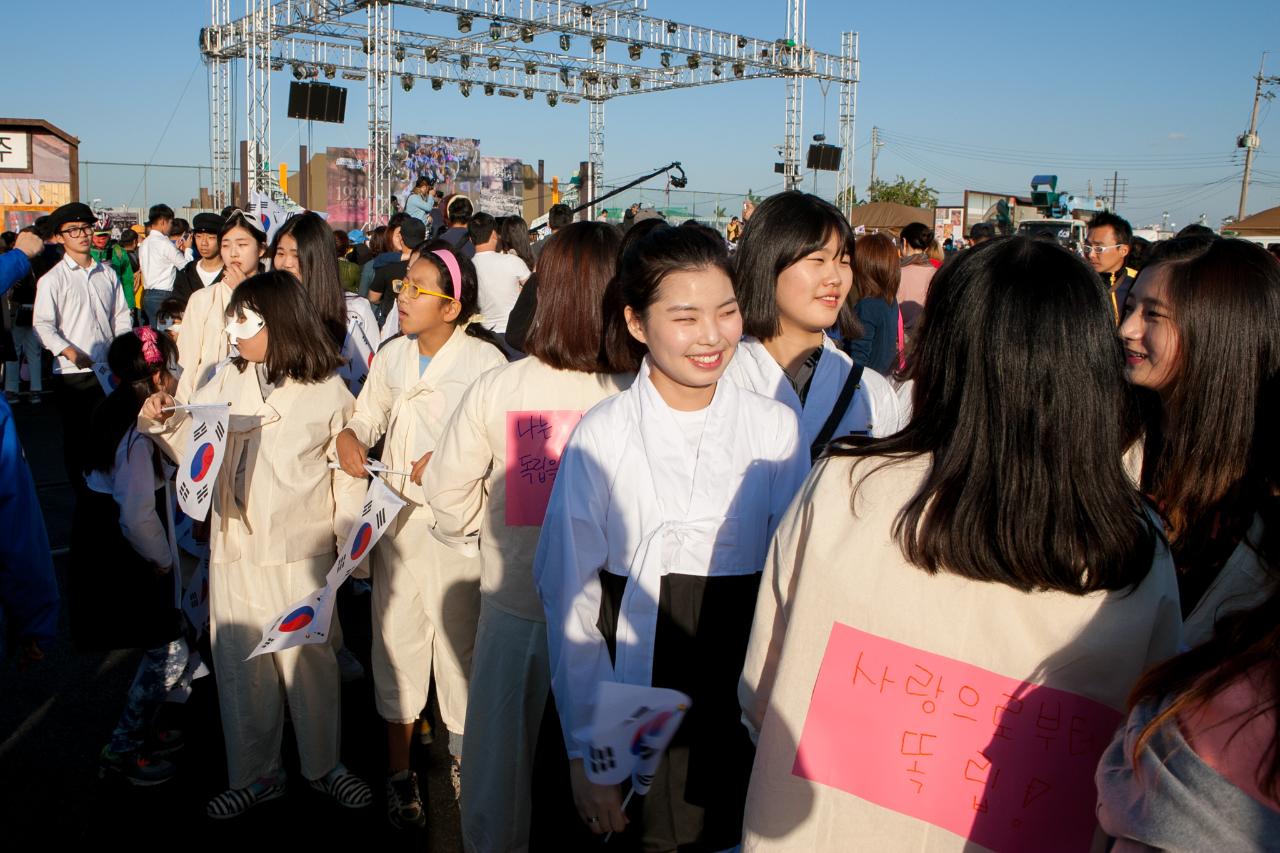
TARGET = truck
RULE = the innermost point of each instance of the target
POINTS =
(1053, 220)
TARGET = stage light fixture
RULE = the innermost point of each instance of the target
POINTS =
(406, 82)
(508, 93)
(495, 31)
(366, 44)
(739, 69)
(672, 26)
(665, 58)
(526, 34)
(614, 82)
(635, 82)
(399, 53)
(330, 71)
(437, 84)
(494, 63)
(464, 23)
(528, 94)
(277, 65)
(465, 88)
(586, 11)
(352, 75)
(635, 50)
(431, 54)
(716, 68)
(597, 44)
(298, 71)
(531, 68)
(565, 41)
(693, 61)
(564, 75)
(552, 99)
(488, 89)
(464, 61)
(742, 42)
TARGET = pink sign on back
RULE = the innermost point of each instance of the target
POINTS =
(535, 441)
(1001, 762)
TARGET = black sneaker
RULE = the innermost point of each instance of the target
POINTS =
(404, 802)
(137, 768)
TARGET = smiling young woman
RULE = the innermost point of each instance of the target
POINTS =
(1201, 340)
(657, 529)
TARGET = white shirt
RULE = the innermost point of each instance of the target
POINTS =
(133, 483)
(160, 261)
(207, 276)
(632, 497)
(873, 410)
(82, 307)
(499, 277)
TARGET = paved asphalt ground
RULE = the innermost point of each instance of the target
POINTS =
(55, 718)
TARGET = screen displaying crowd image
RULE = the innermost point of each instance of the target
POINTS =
(451, 163)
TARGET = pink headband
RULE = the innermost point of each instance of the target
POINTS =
(150, 351)
(455, 274)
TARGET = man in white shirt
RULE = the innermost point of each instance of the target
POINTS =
(79, 310)
(159, 259)
(499, 276)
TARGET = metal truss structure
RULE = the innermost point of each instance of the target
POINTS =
(510, 48)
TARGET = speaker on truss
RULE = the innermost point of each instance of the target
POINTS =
(317, 102)
(824, 158)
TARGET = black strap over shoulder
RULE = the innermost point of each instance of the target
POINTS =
(851, 384)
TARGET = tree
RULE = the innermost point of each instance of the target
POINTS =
(847, 198)
(911, 193)
(752, 197)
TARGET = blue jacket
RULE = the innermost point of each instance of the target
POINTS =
(14, 267)
(878, 347)
(28, 589)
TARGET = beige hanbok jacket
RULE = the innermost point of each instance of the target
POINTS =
(466, 480)
(835, 572)
(202, 342)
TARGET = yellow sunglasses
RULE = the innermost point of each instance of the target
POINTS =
(399, 286)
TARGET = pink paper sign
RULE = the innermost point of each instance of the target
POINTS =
(535, 441)
(1005, 763)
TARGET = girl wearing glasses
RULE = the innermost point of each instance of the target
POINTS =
(278, 513)
(426, 597)
(203, 344)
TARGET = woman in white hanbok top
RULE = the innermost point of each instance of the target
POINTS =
(794, 272)
(652, 548)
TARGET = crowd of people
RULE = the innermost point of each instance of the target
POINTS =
(943, 548)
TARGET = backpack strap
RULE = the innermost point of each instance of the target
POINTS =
(851, 384)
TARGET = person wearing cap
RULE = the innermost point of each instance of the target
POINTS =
(110, 253)
(410, 235)
(161, 260)
(79, 310)
(359, 241)
(206, 269)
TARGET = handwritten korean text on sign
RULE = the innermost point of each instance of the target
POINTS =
(535, 441)
(1002, 762)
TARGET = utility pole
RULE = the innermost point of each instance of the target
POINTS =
(876, 145)
(1249, 141)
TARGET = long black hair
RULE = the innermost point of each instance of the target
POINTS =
(119, 411)
(1022, 408)
(319, 265)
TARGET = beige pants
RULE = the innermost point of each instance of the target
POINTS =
(244, 599)
(426, 602)
(508, 695)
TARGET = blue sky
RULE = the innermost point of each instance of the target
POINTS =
(978, 96)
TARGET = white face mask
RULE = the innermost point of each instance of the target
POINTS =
(239, 330)
(167, 324)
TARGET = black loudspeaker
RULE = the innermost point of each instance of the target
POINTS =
(824, 158)
(317, 102)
